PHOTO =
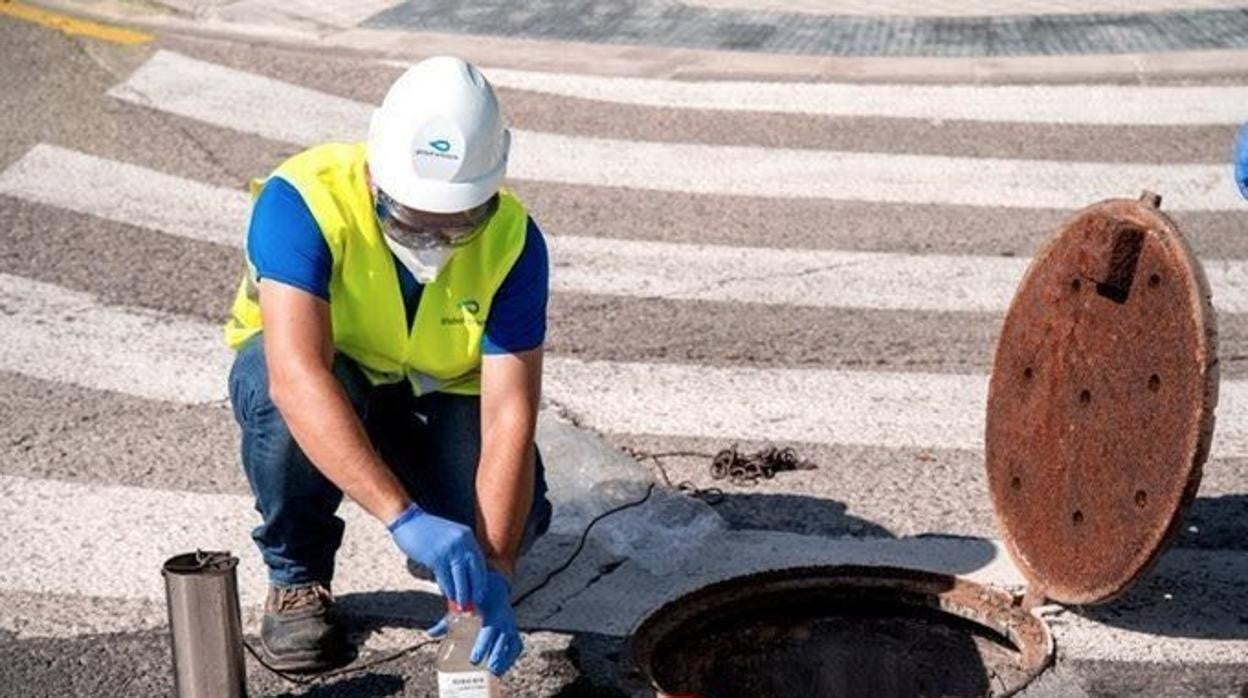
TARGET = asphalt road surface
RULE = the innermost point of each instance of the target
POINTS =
(733, 263)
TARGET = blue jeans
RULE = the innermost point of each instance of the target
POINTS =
(432, 443)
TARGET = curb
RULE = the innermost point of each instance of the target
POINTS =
(678, 63)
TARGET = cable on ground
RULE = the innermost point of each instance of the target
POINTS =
(728, 464)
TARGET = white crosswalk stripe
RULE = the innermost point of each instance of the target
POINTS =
(895, 410)
(68, 336)
(127, 194)
(130, 194)
(153, 524)
(1037, 104)
(280, 111)
(57, 333)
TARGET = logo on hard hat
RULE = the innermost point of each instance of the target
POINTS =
(470, 305)
(438, 149)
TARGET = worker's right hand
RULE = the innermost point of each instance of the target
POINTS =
(448, 548)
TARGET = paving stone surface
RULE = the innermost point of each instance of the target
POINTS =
(665, 23)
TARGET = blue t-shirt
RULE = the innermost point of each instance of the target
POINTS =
(285, 244)
(1241, 161)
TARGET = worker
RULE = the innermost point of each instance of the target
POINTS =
(389, 331)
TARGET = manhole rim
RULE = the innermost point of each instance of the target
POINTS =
(979, 604)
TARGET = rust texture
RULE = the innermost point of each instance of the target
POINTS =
(842, 630)
(1101, 403)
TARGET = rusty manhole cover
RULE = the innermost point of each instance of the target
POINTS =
(1100, 409)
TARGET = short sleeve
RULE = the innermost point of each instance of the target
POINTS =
(285, 244)
(517, 320)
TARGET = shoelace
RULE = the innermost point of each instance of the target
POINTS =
(294, 598)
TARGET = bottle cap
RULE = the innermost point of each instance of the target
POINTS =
(456, 608)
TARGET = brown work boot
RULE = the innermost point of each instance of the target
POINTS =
(300, 631)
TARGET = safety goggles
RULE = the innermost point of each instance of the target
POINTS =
(422, 230)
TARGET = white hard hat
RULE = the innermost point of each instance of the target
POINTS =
(438, 142)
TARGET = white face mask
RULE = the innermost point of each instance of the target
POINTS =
(425, 263)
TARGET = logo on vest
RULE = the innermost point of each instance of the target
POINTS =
(469, 307)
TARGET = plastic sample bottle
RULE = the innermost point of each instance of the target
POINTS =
(457, 676)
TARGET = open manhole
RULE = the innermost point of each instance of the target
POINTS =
(842, 631)
(1100, 416)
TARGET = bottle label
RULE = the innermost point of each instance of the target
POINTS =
(464, 684)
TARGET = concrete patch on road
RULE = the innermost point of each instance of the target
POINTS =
(589, 478)
(1177, 615)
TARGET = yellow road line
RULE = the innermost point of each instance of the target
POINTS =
(72, 25)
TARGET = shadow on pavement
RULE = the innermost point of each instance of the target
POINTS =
(1186, 594)
(1216, 523)
(815, 516)
(792, 513)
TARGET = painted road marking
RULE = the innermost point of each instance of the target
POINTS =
(1033, 104)
(72, 26)
(44, 518)
(129, 194)
(243, 101)
(281, 111)
(859, 408)
(104, 525)
(816, 278)
(57, 334)
(135, 195)
(342, 14)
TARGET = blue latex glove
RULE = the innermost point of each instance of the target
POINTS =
(1241, 161)
(448, 548)
(499, 639)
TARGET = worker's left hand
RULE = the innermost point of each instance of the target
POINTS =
(499, 640)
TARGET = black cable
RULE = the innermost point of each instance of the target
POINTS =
(710, 495)
(581, 545)
(317, 678)
(742, 470)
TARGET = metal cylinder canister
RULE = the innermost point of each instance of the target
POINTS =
(205, 625)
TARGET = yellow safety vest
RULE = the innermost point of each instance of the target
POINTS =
(442, 352)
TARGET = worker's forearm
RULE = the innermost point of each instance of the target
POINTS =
(325, 426)
(505, 478)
